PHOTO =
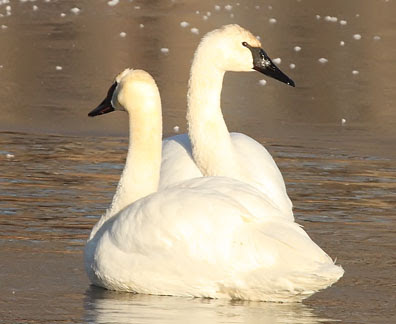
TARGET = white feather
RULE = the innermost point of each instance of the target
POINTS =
(212, 237)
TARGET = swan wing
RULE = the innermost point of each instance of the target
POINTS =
(282, 263)
(177, 162)
(260, 170)
(258, 167)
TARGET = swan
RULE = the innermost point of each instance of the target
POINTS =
(209, 149)
(213, 237)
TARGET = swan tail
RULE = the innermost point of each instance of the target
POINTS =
(283, 265)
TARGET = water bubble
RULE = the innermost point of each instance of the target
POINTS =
(277, 60)
(262, 82)
(113, 3)
(75, 10)
(331, 19)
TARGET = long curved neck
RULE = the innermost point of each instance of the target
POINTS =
(141, 173)
(211, 142)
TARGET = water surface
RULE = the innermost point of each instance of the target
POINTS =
(59, 168)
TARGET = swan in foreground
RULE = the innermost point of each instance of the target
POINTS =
(211, 237)
(214, 151)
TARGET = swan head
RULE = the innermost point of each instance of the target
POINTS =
(130, 88)
(233, 48)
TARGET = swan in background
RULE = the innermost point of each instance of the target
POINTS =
(209, 149)
(211, 237)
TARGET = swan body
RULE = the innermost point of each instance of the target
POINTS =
(212, 237)
(210, 149)
(208, 237)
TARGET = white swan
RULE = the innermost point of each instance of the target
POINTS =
(205, 237)
(216, 152)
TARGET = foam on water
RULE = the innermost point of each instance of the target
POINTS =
(75, 10)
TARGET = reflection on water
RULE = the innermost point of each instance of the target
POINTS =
(103, 306)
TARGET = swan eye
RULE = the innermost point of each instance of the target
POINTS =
(245, 44)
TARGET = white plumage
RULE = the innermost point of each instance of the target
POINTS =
(260, 169)
(205, 237)
(209, 237)
(214, 151)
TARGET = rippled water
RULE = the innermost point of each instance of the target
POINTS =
(53, 188)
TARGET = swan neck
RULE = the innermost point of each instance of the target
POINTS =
(208, 132)
(140, 176)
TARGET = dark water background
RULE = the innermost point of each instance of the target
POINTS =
(59, 169)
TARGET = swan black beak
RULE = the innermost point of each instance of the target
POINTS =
(262, 63)
(105, 106)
